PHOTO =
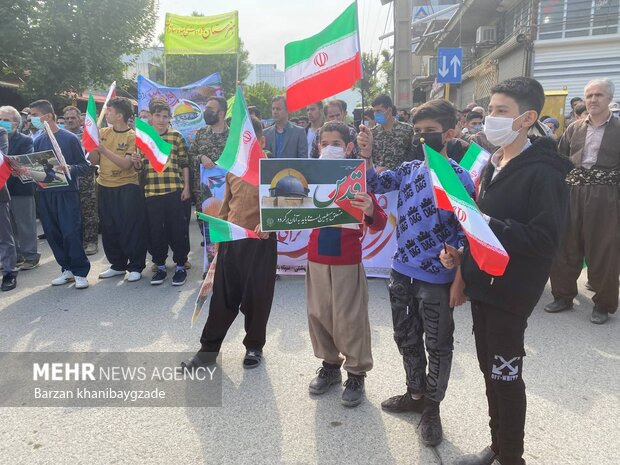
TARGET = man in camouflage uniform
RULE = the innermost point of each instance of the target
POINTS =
(392, 140)
(86, 185)
(205, 150)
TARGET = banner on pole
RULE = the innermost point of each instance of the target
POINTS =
(187, 103)
(201, 35)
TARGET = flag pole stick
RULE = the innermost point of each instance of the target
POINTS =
(105, 104)
(237, 73)
(165, 71)
(359, 47)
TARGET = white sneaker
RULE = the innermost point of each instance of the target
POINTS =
(64, 278)
(109, 273)
(81, 282)
(134, 276)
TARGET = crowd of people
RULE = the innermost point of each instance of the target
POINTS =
(542, 194)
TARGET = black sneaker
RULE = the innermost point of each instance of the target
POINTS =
(353, 391)
(9, 282)
(325, 379)
(404, 403)
(559, 305)
(431, 431)
(598, 316)
(158, 277)
(486, 457)
(179, 278)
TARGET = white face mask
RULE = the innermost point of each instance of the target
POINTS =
(499, 130)
(331, 152)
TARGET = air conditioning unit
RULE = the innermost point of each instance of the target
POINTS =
(486, 35)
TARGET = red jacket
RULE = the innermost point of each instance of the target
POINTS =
(343, 246)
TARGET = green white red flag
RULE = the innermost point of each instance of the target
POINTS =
(90, 135)
(5, 169)
(225, 231)
(486, 249)
(324, 64)
(152, 145)
(242, 150)
(474, 161)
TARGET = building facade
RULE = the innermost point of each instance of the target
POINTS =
(267, 73)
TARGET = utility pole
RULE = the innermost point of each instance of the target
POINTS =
(402, 54)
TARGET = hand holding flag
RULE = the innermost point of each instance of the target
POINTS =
(152, 145)
(486, 249)
(224, 231)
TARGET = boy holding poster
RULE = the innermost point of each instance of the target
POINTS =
(422, 292)
(336, 288)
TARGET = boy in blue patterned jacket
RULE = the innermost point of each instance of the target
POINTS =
(423, 292)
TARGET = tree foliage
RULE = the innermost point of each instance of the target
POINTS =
(378, 75)
(260, 95)
(185, 69)
(57, 46)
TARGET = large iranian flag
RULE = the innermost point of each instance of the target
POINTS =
(324, 64)
(474, 161)
(90, 136)
(242, 150)
(224, 231)
(486, 249)
(152, 145)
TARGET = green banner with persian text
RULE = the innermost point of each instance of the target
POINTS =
(201, 35)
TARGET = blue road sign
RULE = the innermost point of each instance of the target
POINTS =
(449, 65)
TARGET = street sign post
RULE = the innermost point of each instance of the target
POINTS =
(449, 65)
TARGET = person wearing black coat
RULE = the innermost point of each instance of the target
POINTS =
(524, 198)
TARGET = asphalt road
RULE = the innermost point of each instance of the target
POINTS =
(572, 374)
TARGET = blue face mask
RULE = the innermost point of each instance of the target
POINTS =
(36, 122)
(6, 125)
(379, 117)
(61, 125)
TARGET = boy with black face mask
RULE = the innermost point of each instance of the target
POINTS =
(205, 150)
(423, 292)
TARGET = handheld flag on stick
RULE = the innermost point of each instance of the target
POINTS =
(324, 64)
(59, 156)
(224, 231)
(90, 136)
(242, 151)
(110, 96)
(486, 249)
(152, 145)
(474, 161)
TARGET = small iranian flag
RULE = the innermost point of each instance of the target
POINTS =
(486, 249)
(152, 145)
(474, 161)
(224, 231)
(324, 64)
(90, 136)
(242, 150)
(5, 169)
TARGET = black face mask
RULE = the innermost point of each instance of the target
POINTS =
(210, 117)
(432, 139)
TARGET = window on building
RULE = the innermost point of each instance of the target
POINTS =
(577, 18)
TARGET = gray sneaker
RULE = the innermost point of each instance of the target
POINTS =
(325, 379)
(559, 305)
(486, 457)
(598, 316)
(29, 264)
(353, 391)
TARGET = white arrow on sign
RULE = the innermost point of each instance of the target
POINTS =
(443, 71)
(456, 63)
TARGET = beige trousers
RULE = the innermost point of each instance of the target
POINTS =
(337, 298)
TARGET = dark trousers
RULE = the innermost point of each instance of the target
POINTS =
(60, 217)
(122, 224)
(593, 233)
(167, 223)
(422, 318)
(244, 280)
(500, 349)
(88, 206)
